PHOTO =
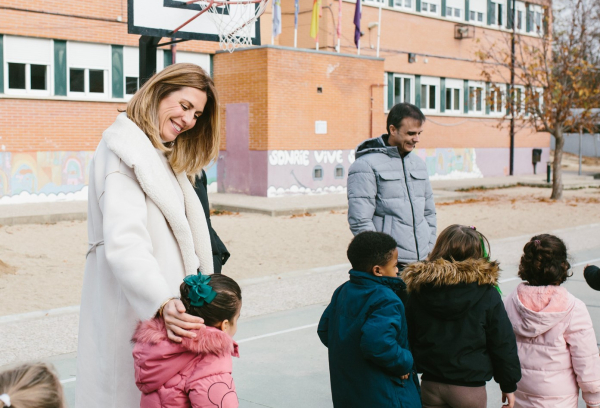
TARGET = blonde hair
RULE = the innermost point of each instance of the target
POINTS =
(194, 148)
(32, 386)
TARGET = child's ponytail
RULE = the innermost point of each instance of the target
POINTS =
(544, 261)
(222, 297)
(31, 386)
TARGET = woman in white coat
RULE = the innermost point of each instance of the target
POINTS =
(146, 227)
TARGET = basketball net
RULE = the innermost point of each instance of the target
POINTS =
(234, 20)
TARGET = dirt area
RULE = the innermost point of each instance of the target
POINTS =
(42, 265)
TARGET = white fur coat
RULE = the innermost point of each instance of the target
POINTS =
(143, 241)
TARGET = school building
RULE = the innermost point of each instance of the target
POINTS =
(291, 116)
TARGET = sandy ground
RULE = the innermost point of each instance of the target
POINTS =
(43, 264)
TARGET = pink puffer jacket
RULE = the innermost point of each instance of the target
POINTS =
(194, 373)
(557, 348)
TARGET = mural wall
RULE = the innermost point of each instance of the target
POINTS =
(43, 173)
(325, 171)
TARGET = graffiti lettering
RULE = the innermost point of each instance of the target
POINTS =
(284, 157)
(328, 156)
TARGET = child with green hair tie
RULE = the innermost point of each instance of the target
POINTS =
(197, 371)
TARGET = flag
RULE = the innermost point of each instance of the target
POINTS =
(296, 9)
(357, 15)
(276, 18)
(314, 24)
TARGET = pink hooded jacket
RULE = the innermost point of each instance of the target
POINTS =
(195, 373)
(557, 348)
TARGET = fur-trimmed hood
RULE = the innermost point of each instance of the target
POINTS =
(209, 340)
(134, 148)
(447, 289)
(443, 273)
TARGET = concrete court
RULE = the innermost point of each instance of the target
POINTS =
(284, 365)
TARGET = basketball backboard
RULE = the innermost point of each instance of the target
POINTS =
(158, 18)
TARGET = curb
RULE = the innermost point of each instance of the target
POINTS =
(43, 218)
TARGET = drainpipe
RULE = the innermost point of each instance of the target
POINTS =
(371, 116)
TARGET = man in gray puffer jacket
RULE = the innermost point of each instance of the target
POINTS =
(389, 189)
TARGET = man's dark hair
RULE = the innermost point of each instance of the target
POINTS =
(401, 111)
(369, 249)
(544, 261)
(223, 307)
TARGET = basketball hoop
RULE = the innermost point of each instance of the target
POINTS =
(235, 30)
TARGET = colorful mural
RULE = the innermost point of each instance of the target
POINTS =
(450, 163)
(43, 172)
(52, 173)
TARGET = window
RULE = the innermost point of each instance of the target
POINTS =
(131, 85)
(496, 15)
(538, 22)
(453, 12)
(27, 65)
(480, 17)
(453, 99)
(403, 3)
(89, 68)
(339, 171)
(518, 100)
(96, 80)
(475, 99)
(428, 97)
(496, 100)
(402, 89)
(16, 76)
(87, 81)
(27, 77)
(519, 20)
(318, 173)
(431, 8)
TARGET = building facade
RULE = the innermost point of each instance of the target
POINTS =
(292, 116)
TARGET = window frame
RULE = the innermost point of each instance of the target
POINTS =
(482, 100)
(430, 82)
(86, 84)
(496, 110)
(403, 78)
(437, 4)
(403, 5)
(27, 91)
(478, 8)
(452, 15)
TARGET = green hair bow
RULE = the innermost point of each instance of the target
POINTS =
(200, 292)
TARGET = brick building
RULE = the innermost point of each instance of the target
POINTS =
(292, 116)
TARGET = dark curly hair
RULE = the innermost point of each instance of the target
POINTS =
(369, 249)
(544, 261)
(224, 306)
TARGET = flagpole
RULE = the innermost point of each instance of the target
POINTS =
(295, 23)
(378, 31)
(339, 25)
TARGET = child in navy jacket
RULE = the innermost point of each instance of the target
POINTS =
(364, 328)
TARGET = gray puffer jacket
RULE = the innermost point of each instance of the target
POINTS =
(392, 194)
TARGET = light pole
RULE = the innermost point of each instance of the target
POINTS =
(512, 87)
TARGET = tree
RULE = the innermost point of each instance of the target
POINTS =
(556, 73)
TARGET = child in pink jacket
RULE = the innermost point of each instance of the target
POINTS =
(195, 373)
(555, 337)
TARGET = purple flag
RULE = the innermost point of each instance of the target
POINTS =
(296, 9)
(357, 14)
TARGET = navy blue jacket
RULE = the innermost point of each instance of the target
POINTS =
(365, 330)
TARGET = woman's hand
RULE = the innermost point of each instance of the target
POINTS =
(508, 399)
(404, 377)
(178, 322)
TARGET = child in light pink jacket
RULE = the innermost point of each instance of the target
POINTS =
(195, 373)
(555, 337)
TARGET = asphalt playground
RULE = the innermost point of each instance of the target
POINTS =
(284, 365)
